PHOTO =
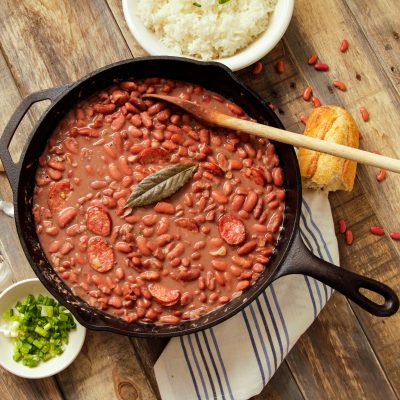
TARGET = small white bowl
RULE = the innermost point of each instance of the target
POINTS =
(8, 299)
(259, 48)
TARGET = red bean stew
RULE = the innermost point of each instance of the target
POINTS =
(183, 256)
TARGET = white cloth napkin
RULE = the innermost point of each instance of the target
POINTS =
(236, 359)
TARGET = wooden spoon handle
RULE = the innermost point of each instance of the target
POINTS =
(295, 139)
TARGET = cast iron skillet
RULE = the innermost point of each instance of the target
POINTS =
(291, 256)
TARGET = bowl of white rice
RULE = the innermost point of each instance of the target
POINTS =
(236, 33)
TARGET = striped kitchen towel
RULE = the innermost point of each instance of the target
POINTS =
(237, 358)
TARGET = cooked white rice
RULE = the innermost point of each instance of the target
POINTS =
(208, 32)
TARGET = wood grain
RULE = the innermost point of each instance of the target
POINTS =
(281, 386)
(13, 387)
(346, 353)
(89, 33)
(334, 361)
(382, 32)
(106, 368)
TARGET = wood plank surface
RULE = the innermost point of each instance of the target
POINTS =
(346, 353)
(41, 52)
(333, 360)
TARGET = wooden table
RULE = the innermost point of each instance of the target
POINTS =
(346, 354)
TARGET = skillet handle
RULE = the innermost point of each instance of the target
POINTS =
(302, 261)
(12, 168)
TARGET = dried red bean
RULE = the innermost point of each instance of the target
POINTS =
(316, 102)
(381, 175)
(307, 93)
(242, 285)
(349, 237)
(342, 225)
(321, 67)
(312, 59)
(280, 67)
(377, 230)
(247, 248)
(364, 114)
(344, 45)
(395, 235)
(258, 67)
(303, 118)
(340, 85)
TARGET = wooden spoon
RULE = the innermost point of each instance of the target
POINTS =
(217, 118)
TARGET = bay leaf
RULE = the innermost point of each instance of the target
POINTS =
(161, 184)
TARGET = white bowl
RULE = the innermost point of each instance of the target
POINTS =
(8, 299)
(259, 48)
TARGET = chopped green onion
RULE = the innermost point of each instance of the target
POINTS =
(39, 327)
(197, 4)
(222, 1)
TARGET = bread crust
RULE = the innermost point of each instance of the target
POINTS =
(323, 171)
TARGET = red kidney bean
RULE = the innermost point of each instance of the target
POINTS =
(66, 216)
(54, 246)
(219, 265)
(98, 185)
(219, 197)
(237, 202)
(247, 248)
(104, 108)
(258, 268)
(122, 247)
(110, 150)
(199, 245)
(155, 108)
(114, 172)
(275, 222)
(250, 202)
(190, 275)
(169, 319)
(201, 283)
(150, 275)
(71, 145)
(342, 225)
(277, 176)
(246, 275)
(164, 208)
(52, 231)
(54, 174)
(349, 237)
(141, 242)
(150, 219)
(55, 164)
(376, 230)
(242, 285)
(176, 251)
(235, 164)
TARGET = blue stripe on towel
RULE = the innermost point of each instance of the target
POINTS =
(221, 362)
(213, 364)
(277, 334)
(253, 343)
(319, 232)
(214, 354)
(281, 317)
(319, 253)
(196, 335)
(311, 295)
(190, 368)
(189, 337)
(261, 338)
(309, 279)
(307, 207)
(267, 331)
